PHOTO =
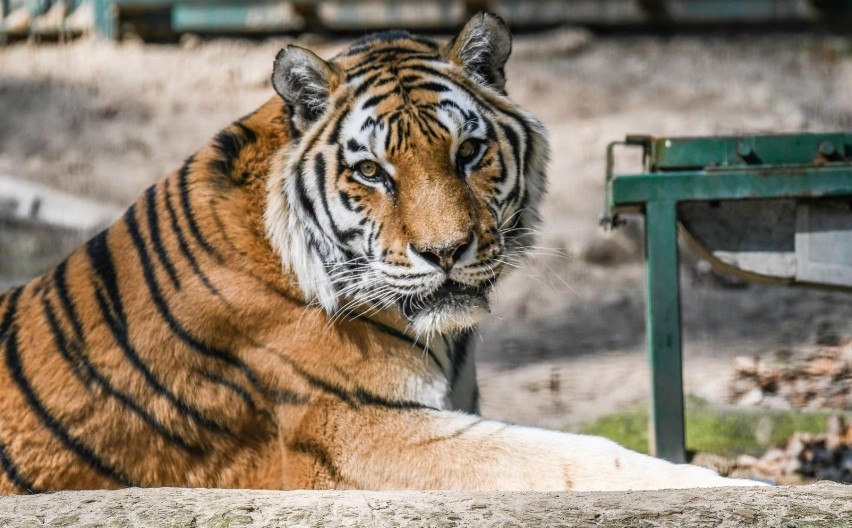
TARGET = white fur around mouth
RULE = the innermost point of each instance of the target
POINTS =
(450, 309)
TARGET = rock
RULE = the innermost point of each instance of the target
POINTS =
(819, 379)
(752, 397)
(746, 365)
(775, 402)
(815, 505)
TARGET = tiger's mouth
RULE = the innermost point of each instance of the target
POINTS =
(451, 307)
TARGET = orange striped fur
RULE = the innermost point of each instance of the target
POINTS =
(279, 314)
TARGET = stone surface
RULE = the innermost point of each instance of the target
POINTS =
(821, 504)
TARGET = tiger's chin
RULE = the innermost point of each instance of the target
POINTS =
(451, 309)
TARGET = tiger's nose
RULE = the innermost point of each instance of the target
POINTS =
(444, 256)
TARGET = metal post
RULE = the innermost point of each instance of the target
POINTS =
(662, 313)
(105, 19)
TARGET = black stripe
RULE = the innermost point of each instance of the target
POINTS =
(512, 138)
(393, 332)
(358, 396)
(14, 475)
(72, 354)
(387, 329)
(430, 86)
(113, 313)
(182, 243)
(460, 350)
(340, 237)
(238, 389)
(60, 283)
(366, 84)
(449, 103)
(363, 68)
(373, 236)
(375, 400)
(431, 44)
(334, 135)
(426, 123)
(320, 454)
(452, 436)
(352, 398)
(401, 134)
(11, 308)
(504, 171)
(384, 82)
(513, 195)
(408, 79)
(375, 100)
(390, 125)
(407, 53)
(347, 202)
(230, 143)
(392, 117)
(72, 443)
(432, 72)
(354, 146)
(489, 131)
(156, 239)
(302, 194)
(282, 396)
(369, 122)
(183, 187)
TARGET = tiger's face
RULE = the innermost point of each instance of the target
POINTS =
(414, 181)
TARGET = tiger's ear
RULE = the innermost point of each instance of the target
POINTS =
(305, 82)
(482, 49)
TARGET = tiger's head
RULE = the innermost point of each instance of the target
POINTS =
(412, 181)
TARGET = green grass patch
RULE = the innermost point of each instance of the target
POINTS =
(711, 428)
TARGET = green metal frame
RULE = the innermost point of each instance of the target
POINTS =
(801, 166)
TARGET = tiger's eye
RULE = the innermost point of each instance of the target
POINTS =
(368, 169)
(467, 149)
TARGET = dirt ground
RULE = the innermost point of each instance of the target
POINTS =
(566, 339)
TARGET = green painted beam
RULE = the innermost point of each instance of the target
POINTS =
(784, 182)
(761, 150)
(663, 332)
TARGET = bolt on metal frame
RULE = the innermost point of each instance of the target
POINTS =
(798, 166)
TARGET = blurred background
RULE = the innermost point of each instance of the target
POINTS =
(99, 98)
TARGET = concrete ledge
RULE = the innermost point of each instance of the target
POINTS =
(824, 504)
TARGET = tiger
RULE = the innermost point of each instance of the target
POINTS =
(295, 307)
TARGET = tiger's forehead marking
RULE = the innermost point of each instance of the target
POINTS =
(404, 89)
(380, 49)
(400, 121)
(399, 100)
